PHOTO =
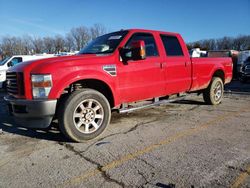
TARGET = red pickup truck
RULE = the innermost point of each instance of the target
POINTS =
(112, 72)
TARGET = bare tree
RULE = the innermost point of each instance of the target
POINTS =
(1, 53)
(27, 44)
(226, 43)
(81, 36)
(208, 44)
(69, 43)
(76, 39)
(8, 46)
(37, 45)
(245, 42)
(59, 44)
(49, 44)
(97, 30)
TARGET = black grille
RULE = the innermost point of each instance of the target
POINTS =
(15, 83)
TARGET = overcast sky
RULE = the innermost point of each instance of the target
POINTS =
(195, 19)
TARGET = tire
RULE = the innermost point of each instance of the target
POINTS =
(84, 115)
(213, 94)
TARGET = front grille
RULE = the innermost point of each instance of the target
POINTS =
(15, 84)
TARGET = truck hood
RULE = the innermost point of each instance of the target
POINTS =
(3, 68)
(48, 64)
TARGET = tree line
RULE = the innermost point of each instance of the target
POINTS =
(239, 43)
(78, 37)
(74, 40)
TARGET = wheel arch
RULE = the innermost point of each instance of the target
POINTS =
(97, 85)
(219, 73)
(91, 83)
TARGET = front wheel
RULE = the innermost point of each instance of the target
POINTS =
(214, 93)
(84, 115)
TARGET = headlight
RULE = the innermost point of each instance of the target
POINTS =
(41, 85)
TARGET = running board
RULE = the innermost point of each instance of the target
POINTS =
(156, 103)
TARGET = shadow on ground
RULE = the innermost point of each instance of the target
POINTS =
(237, 86)
(8, 125)
(191, 102)
(53, 134)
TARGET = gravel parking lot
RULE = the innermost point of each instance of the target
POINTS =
(184, 144)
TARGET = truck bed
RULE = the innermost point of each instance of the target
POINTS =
(204, 68)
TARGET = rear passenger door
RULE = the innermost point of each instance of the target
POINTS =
(177, 65)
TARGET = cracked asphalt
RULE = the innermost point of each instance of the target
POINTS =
(182, 144)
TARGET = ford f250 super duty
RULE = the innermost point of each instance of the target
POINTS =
(114, 71)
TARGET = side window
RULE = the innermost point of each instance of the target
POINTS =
(151, 48)
(172, 45)
(16, 60)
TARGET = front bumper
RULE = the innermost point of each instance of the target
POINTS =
(32, 113)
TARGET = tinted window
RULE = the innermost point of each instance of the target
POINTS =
(16, 60)
(172, 45)
(151, 48)
(248, 60)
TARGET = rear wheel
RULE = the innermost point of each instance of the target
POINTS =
(84, 115)
(214, 93)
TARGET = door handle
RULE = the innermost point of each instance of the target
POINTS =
(162, 65)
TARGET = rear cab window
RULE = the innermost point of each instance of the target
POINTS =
(150, 44)
(172, 45)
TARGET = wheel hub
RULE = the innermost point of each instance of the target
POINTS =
(88, 116)
(217, 91)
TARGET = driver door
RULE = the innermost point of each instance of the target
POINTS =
(142, 79)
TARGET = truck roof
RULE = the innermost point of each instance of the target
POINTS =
(151, 31)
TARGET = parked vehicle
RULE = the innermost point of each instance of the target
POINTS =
(113, 72)
(243, 55)
(11, 61)
(245, 71)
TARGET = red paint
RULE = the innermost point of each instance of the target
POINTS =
(136, 80)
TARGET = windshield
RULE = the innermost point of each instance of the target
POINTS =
(104, 44)
(4, 61)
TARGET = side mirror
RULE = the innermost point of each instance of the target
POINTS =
(137, 51)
